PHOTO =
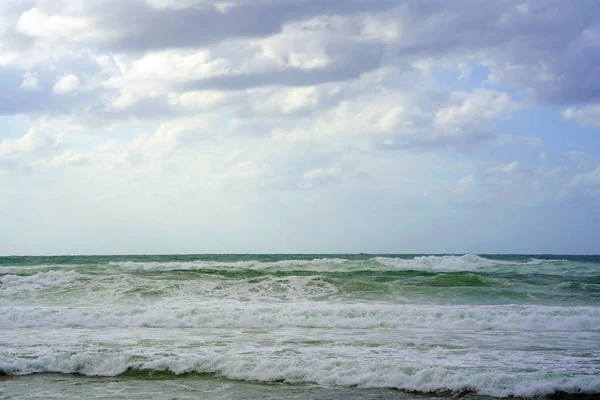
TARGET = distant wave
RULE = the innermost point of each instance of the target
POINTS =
(255, 265)
(467, 262)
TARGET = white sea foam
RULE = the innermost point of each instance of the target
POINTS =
(322, 371)
(467, 262)
(253, 265)
(315, 327)
(126, 287)
(15, 269)
(40, 280)
(306, 315)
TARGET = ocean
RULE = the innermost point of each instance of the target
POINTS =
(300, 326)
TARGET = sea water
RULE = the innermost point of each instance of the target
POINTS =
(300, 326)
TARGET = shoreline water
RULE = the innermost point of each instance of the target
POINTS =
(193, 386)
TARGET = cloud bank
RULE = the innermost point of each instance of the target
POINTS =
(315, 126)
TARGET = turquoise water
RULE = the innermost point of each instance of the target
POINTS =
(300, 326)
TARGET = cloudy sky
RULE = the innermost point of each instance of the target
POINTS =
(191, 126)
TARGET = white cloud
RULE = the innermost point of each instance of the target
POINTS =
(472, 110)
(181, 132)
(506, 168)
(30, 81)
(381, 30)
(66, 84)
(320, 176)
(201, 100)
(36, 139)
(585, 116)
(368, 104)
(591, 178)
(155, 73)
(37, 23)
(466, 180)
(465, 70)
(179, 4)
(403, 120)
(282, 101)
(68, 158)
(299, 45)
(170, 66)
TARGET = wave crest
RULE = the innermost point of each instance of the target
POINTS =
(326, 372)
(311, 315)
(467, 262)
(251, 265)
(41, 280)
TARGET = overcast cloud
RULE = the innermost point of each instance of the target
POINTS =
(163, 126)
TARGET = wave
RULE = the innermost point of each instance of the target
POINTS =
(431, 263)
(390, 285)
(467, 262)
(311, 315)
(322, 371)
(122, 287)
(41, 280)
(251, 265)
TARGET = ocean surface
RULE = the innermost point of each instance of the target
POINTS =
(300, 327)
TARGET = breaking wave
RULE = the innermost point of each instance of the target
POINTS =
(492, 325)
(39, 280)
(308, 315)
(467, 262)
(251, 265)
(325, 372)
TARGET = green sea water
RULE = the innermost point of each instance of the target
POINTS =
(300, 326)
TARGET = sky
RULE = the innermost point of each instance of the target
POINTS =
(299, 126)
